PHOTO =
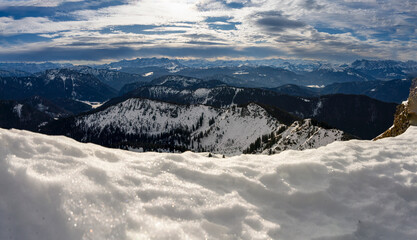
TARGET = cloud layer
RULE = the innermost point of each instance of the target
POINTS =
(333, 30)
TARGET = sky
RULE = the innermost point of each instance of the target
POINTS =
(106, 30)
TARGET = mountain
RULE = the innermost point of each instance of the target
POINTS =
(288, 64)
(113, 78)
(385, 69)
(152, 125)
(405, 116)
(13, 73)
(387, 91)
(147, 67)
(72, 106)
(56, 188)
(32, 67)
(143, 63)
(358, 115)
(266, 73)
(29, 114)
(269, 77)
(132, 86)
(297, 90)
(246, 76)
(72, 84)
(328, 75)
(58, 83)
(241, 73)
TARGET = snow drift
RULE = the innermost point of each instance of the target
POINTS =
(57, 188)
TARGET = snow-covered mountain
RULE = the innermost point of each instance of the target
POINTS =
(113, 78)
(145, 65)
(56, 188)
(34, 112)
(288, 64)
(13, 73)
(152, 125)
(326, 75)
(57, 83)
(358, 115)
(386, 69)
(32, 67)
(29, 114)
(269, 73)
(72, 84)
(386, 91)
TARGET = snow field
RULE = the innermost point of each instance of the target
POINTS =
(57, 188)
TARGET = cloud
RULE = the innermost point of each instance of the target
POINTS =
(97, 54)
(62, 11)
(274, 21)
(208, 5)
(221, 23)
(207, 28)
(311, 5)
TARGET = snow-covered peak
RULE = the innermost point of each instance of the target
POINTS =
(229, 130)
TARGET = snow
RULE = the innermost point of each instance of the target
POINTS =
(57, 188)
(94, 105)
(315, 86)
(116, 68)
(147, 74)
(186, 82)
(240, 73)
(18, 109)
(201, 93)
(305, 135)
(317, 108)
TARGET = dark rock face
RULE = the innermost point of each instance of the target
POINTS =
(405, 116)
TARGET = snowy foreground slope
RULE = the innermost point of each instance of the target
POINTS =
(57, 188)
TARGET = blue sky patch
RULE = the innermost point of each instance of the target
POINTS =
(340, 31)
(23, 38)
(221, 23)
(62, 12)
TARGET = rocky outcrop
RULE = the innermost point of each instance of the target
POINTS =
(405, 116)
(412, 103)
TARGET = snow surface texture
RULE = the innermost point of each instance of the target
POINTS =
(57, 188)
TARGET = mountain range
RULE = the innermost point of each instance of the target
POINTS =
(58, 83)
(355, 114)
(29, 114)
(345, 101)
(388, 91)
(250, 73)
(150, 125)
